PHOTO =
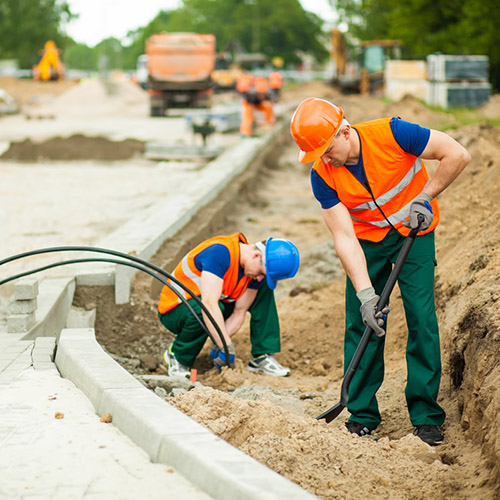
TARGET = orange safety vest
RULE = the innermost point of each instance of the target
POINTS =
(275, 80)
(395, 177)
(187, 273)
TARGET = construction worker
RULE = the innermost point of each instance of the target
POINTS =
(275, 83)
(232, 276)
(255, 96)
(372, 184)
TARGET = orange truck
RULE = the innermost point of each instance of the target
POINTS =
(180, 66)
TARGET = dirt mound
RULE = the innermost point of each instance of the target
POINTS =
(76, 147)
(101, 97)
(492, 108)
(338, 464)
(26, 91)
(412, 110)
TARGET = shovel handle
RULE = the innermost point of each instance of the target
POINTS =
(335, 411)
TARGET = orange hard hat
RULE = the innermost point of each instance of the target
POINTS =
(275, 80)
(314, 125)
(261, 85)
(244, 83)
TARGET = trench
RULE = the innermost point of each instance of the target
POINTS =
(324, 460)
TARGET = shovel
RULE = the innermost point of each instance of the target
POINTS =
(335, 411)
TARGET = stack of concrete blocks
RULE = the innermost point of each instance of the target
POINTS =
(402, 78)
(458, 81)
(23, 308)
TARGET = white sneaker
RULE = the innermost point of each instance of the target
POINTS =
(175, 369)
(268, 365)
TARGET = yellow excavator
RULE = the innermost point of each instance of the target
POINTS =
(50, 66)
(364, 71)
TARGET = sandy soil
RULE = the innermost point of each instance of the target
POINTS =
(273, 419)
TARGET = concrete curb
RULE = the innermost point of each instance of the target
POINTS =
(166, 434)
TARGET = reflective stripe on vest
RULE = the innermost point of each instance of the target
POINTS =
(187, 273)
(392, 220)
(395, 178)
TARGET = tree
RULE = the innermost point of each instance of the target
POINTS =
(138, 38)
(279, 28)
(80, 56)
(25, 26)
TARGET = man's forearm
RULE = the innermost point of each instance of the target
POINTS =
(353, 261)
(234, 322)
(217, 315)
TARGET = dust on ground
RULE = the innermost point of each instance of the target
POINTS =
(28, 91)
(273, 419)
(76, 147)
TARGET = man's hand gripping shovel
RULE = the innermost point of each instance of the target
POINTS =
(335, 411)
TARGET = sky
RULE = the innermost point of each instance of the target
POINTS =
(99, 19)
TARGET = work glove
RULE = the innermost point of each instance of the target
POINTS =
(375, 320)
(420, 205)
(219, 356)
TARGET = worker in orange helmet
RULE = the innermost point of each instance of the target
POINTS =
(373, 187)
(275, 82)
(255, 96)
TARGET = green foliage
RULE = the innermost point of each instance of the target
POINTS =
(468, 27)
(80, 56)
(109, 54)
(138, 39)
(279, 28)
(25, 26)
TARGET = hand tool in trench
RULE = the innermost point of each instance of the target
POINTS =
(335, 411)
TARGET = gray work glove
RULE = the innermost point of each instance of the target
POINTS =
(375, 320)
(420, 205)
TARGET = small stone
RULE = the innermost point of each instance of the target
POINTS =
(106, 418)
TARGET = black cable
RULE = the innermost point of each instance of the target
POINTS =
(113, 261)
(133, 258)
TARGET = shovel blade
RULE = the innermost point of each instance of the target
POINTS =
(332, 413)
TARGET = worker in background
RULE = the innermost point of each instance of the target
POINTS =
(232, 276)
(275, 83)
(255, 96)
(372, 184)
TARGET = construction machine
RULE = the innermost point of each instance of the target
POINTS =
(360, 68)
(226, 73)
(374, 55)
(50, 66)
(179, 66)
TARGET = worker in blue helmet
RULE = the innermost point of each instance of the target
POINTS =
(232, 277)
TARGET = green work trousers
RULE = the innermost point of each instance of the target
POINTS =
(423, 357)
(190, 336)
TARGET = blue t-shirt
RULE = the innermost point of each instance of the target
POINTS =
(411, 137)
(216, 259)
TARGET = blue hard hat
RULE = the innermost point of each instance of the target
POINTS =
(281, 260)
